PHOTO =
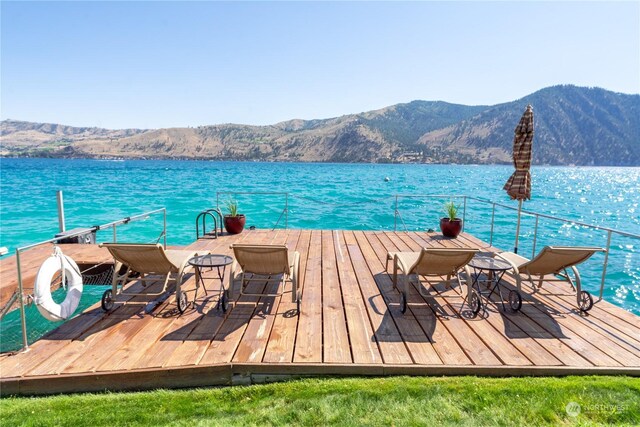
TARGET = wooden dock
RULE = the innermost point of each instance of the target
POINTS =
(350, 324)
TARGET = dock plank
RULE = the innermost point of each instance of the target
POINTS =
(308, 346)
(363, 343)
(46, 349)
(392, 346)
(336, 337)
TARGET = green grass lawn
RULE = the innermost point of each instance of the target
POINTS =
(352, 401)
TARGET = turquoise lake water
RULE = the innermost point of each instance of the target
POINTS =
(330, 196)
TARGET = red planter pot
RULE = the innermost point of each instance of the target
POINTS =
(234, 224)
(451, 228)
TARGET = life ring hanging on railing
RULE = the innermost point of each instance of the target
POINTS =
(42, 288)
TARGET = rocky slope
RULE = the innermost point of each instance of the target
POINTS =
(574, 125)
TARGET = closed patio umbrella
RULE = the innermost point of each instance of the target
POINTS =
(519, 184)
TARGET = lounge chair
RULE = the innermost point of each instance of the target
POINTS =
(554, 260)
(147, 260)
(266, 261)
(430, 262)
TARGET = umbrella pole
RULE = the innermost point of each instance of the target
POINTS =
(515, 249)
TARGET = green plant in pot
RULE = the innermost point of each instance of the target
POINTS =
(233, 221)
(451, 225)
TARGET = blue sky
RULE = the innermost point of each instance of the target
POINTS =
(165, 64)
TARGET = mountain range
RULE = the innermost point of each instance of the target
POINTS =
(573, 126)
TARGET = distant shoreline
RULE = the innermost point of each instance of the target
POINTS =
(215, 159)
(188, 159)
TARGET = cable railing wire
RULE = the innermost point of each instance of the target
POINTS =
(345, 204)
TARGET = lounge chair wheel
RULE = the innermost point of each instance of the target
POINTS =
(515, 300)
(475, 303)
(107, 300)
(403, 302)
(586, 301)
(183, 302)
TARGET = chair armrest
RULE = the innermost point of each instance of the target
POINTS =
(510, 257)
(296, 261)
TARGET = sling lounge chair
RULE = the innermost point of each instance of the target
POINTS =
(272, 263)
(430, 262)
(147, 260)
(554, 260)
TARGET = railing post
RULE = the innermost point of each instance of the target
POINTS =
(395, 216)
(606, 261)
(115, 236)
(464, 213)
(164, 227)
(61, 222)
(493, 215)
(535, 237)
(23, 317)
(286, 211)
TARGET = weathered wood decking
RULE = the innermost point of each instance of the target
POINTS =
(350, 324)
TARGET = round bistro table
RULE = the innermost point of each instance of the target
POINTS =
(211, 261)
(495, 269)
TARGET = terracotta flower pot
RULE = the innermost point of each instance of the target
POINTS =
(451, 228)
(234, 224)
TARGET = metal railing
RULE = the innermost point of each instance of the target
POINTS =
(397, 213)
(610, 231)
(399, 220)
(285, 211)
(96, 228)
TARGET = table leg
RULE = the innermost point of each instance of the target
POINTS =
(497, 285)
(221, 294)
(494, 280)
(476, 278)
(476, 282)
(202, 282)
(195, 295)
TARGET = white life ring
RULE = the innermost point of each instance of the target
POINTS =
(42, 287)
